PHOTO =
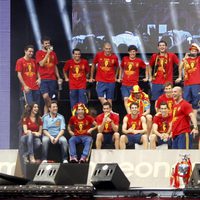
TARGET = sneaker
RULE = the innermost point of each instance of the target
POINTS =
(65, 161)
(73, 159)
(32, 159)
(25, 159)
(82, 160)
(44, 161)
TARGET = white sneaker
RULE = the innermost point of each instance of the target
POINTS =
(65, 161)
(44, 161)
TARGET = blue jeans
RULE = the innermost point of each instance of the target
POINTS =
(29, 143)
(33, 96)
(45, 146)
(78, 96)
(85, 140)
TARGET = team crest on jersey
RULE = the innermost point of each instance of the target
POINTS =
(57, 123)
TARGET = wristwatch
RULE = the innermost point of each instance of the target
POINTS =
(195, 127)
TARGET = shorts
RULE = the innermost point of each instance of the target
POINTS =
(156, 91)
(182, 141)
(50, 87)
(126, 90)
(134, 138)
(105, 90)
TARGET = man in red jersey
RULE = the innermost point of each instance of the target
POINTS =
(191, 66)
(162, 64)
(166, 97)
(47, 60)
(27, 72)
(77, 69)
(182, 114)
(134, 128)
(161, 129)
(129, 73)
(106, 74)
(108, 126)
(80, 128)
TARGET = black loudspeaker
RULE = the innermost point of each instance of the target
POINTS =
(52, 174)
(109, 176)
(6, 179)
(194, 181)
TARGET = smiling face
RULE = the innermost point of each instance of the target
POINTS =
(177, 93)
(29, 53)
(77, 56)
(35, 109)
(164, 110)
(53, 108)
(107, 49)
(162, 47)
(134, 109)
(132, 54)
(46, 44)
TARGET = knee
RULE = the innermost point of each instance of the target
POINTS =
(123, 139)
(152, 138)
(144, 138)
(99, 136)
(116, 136)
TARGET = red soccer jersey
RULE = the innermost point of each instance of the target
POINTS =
(81, 126)
(28, 69)
(165, 66)
(131, 69)
(181, 119)
(135, 124)
(33, 126)
(162, 122)
(47, 72)
(168, 100)
(106, 67)
(77, 73)
(108, 127)
(192, 71)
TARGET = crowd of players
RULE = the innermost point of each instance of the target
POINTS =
(175, 121)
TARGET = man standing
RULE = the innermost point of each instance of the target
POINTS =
(106, 75)
(80, 128)
(134, 128)
(161, 69)
(27, 72)
(191, 66)
(47, 60)
(129, 73)
(161, 129)
(53, 130)
(78, 68)
(182, 114)
(108, 126)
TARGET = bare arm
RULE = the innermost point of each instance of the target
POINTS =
(26, 88)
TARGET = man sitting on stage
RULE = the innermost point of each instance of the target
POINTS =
(80, 128)
(134, 128)
(108, 125)
(161, 129)
(144, 105)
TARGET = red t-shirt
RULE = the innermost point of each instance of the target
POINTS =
(108, 127)
(47, 72)
(106, 67)
(32, 126)
(28, 69)
(77, 73)
(162, 122)
(192, 71)
(81, 126)
(168, 100)
(181, 119)
(165, 67)
(135, 124)
(131, 69)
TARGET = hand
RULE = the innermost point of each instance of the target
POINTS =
(195, 132)
(26, 89)
(145, 79)
(178, 80)
(60, 81)
(118, 80)
(38, 82)
(150, 79)
(91, 80)
(52, 139)
(89, 131)
(66, 79)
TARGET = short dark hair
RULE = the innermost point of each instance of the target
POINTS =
(107, 103)
(45, 38)
(163, 103)
(52, 102)
(76, 49)
(162, 41)
(168, 84)
(28, 46)
(134, 103)
(132, 47)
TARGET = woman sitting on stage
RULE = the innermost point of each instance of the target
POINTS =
(32, 130)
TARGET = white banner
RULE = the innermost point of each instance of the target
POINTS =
(143, 168)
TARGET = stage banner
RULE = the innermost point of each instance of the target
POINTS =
(143, 168)
(10, 162)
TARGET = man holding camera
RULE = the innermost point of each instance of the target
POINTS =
(47, 60)
(191, 67)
